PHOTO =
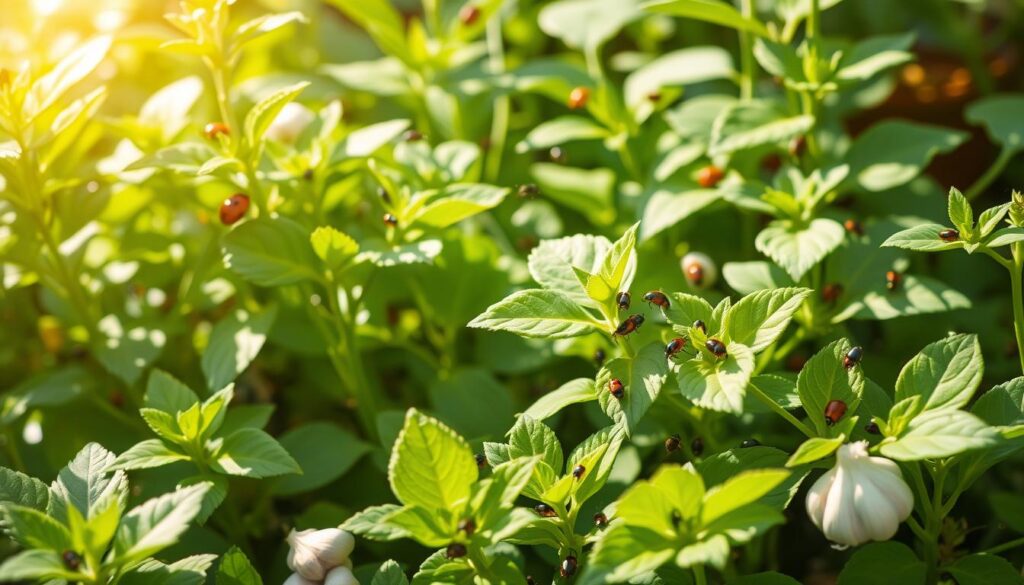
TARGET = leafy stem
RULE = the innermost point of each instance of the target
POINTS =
(1017, 297)
(746, 55)
(699, 578)
(779, 410)
(979, 186)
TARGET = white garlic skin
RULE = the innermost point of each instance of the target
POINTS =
(862, 498)
(707, 265)
(341, 576)
(290, 122)
(315, 552)
(297, 579)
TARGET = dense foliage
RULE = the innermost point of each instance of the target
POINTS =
(511, 291)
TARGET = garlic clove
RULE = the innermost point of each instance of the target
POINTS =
(297, 579)
(314, 552)
(340, 576)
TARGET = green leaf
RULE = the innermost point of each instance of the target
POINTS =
(35, 564)
(589, 192)
(1000, 115)
(253, 453)
(628, 551)
(34, 529)
(883, 563)
(799, 247)
(382, 22)
(422, 252)
(679, 67)
(684, 309)
(335, 248)
(990, 219)
(551, 263)
(619, 263)
(643, 376)
(431, 466)
(720, 384)
(234, 343)
(389, 573)
(324, 452)
(745, 125)
(748, 277)
(165, 393)
(960, 212)
(537, 313)
(147, 454)
(940, 433)
(372, 523)
(529, 438)
(263, 113)
(587, 24)
(739, 491)
(560, 131)
(270, 252)
(891, 153)
(984, 569)
(922, 238)
(157, 524)
(668, 206)
(457, 402)
(945, 374)
(823, 379)
(367, 140)
(126, 353)
(23, 490)
(50, 88)
(235, 569)
(758, 319)
(815, 449)
(51, 388)
(188, 571)
(84, 483)
(572, 392)
(874, 55)
(264, 25)
(712, 11)
(916, 295)
(459, 201)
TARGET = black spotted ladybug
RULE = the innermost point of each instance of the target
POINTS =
(616, 389)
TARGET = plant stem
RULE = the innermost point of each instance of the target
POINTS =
(502, 105)
(1009, 545)
(993, 172)
(1017, 297)
(746, 55)
(699, 578)
(777, 409)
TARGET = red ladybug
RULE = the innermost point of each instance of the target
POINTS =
(215, 130)
(695, 273)
(578, 471)
(854, 227)
(716, 347)
(578, 97)
(545, 511)
(622, 300)
(892, 280)
(469, 15)
(710, 176)
(949, 235)
(568, 568)
(853, 357)
(830, 292)
(656, 297)
(233, 208)
(631, 324)
(675, 346)
(834, 411)
(616, 389)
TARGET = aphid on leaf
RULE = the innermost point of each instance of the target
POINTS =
(469, 15)
(578, 471)
(656, 297)
(949, 235)
(716, 347)
(455, 550)
(390, 220)
(481, 461)
(600, 520)
(578, 97)
(527, 191)
(831, 291)
(71, 559)
(872, 428)
(749, 443)
(854, 227)
(468, 526)
(545, 511)
(697, 446)
(672, 443)
(233, 208)
(557, 155)
(215, 130)
(631, 324)
(853, 357)
(568, 568)
(892, 280)
(698, 324)
(834, 410)
(616, 389)
(675, 346)
(622, 300)
(709, 176)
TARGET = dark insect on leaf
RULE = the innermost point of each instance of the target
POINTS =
(390, 220)
(716, 347)
(468, 526)
(675, 346)
(622, 300)
(834, 411)
(455, 550)
(600, 520)
(545, 511)
(853, 357)
(697, 446)
(384, 195)
(599, 356)
(578, 471)
(215, 130)
(892, 280)
(949, 235)
(656, 297)
(830, 292)
(234, 208)
(872, 428)
(615, 388)
(672, 443)
(568, 568)
(528, 191)
(413, 136)
(749, 443)
(698, 324)
(631, 324)
(71, 560)
(481, 461)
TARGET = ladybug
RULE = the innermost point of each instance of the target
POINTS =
(830, 292)
(455, 550)
(215, 130)
(854, 227)
(615, 388)
(545, 511)
(697, 446)
(413, 136)
(481, 461)
(853, 357)
(578, 97)
(233, 208)
(578, 471)
(710, 176)
(527, 191)
(695, 274)
(872, 428)
(469, 15)
(834, 410)
(949, 235)
(468, 526)
(892, 280)
(672, 443)
(747, 443)
(568, 568)
(557, 155)
(716, 347)
(600, 520)
(622, 300)
(71, 559)
(675, 346)
(654, 97)
(383, 194)
(656, 297)
(631, 324)
(698, 324)
(599, 356)
(390, 220)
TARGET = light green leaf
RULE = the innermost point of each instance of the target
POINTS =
(372, 523)
(940, 433)
(85, 482)
(50, 88)
(643, 376)
(1006, 236)
(39, 565)
(675, 68)
(551, 263)
(745, 125)
(891, 153)
(739, 491)
(758, 319)
(264, 25)
(234, 343)
(157, 524)
(23, 490)
(251, 452)
(334, 247)
(270, 252)
(147, 454)
(537, 313)
(1000, 115)
(799, 247)
(262, 115)
(945, 374)
(431, 466)
(874, 55)
(572, 392)
(235, 569)
(823, 379)
(389, 573)
(814, 449)
(960, 212)
(560, 131)
(382, 22)
(668, 206)
(165, 393)
(422, 252)
(915, 295)
(718, 385)
(747, 277)
(459, 201)
(713, 11)
(34, 529)
(921, 238)
(586, 191)
(587, 24)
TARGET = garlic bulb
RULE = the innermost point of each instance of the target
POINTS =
(297, 579)
(862, 498)
(290, 123)
(340, 576)
(315, 552)
(699, 269)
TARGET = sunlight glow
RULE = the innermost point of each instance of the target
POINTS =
(46, 7)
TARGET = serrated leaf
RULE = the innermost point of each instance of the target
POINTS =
(147, 454)
(431, 466)
(823, 379)
(157, 524)
(746, 125)
(251, 452)
(560, 131)
(814, 449)
(84, 483)
(758, 319)
(457, 202)
(921, 238)
(572, 392)
(262, 115)
(720, 384)
(796, 247)
(945, 374)
(643, 377)
(891, 153)
(940, 433)
(270, 252)
(551, 262)
(537, 313)
(23, 490)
